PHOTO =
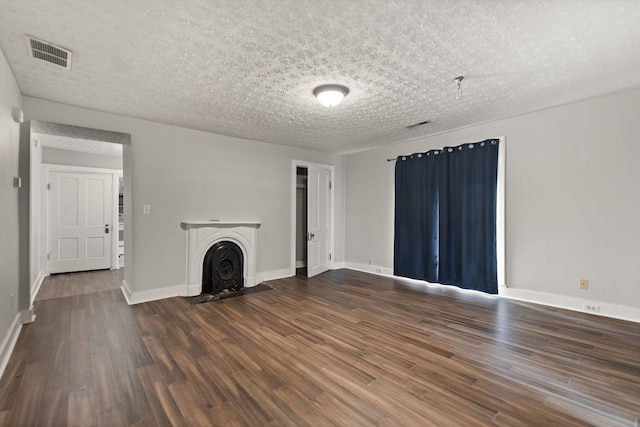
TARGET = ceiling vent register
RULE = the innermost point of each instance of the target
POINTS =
(49, 52)
(418, 124)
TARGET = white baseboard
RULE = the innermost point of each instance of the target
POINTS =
(274, 274)
(569, 303)
(616, 311)
(27, 316)
(35, 288)
(138, 297)
(9, 342)
(366, 268)
(337, 265)
(126, 292)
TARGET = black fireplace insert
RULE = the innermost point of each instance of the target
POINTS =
(222, 270)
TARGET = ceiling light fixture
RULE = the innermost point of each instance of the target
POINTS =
(330, 95)
(458, 81)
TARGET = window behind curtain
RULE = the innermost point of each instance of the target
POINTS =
(445, 216)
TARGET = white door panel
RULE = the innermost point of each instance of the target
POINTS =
(80, 208)
(318, 220)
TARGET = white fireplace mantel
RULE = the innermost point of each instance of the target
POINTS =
(203, 234)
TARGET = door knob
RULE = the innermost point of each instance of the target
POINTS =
(106, 228)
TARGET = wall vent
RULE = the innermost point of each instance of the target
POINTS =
(46, 51)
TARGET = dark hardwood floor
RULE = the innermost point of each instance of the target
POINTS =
(344, 348)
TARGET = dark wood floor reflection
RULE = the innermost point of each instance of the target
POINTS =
(343, 348)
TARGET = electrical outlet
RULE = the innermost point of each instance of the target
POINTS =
(146, 209)
(584, 284)
(592, 308)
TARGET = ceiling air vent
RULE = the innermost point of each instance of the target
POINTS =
(418, 124)
(49, 52)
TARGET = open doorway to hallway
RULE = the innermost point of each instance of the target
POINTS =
(77, 198)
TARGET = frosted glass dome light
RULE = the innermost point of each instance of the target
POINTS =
(330, 95)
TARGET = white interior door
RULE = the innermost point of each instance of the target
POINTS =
(80, 209)
(318, 220)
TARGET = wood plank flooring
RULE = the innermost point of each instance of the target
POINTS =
(344, 348)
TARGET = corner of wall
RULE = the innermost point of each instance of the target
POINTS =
(9, 342)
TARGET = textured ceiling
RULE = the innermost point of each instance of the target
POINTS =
(247, 68)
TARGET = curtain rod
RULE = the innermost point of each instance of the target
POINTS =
(407, 155)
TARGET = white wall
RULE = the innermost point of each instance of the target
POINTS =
(79, 158)
(188, 174)
(572, 206)
(10, 97)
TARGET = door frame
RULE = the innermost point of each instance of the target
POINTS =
(304, 164)
(47, 168)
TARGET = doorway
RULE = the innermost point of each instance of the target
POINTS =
(301, 221)
(82, 151)
(312, 214)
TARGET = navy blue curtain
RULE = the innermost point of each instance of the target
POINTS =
(445, 216)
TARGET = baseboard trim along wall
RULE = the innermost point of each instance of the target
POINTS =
(575, 304)
(367, 268)
(558, 301)
(569, 303)
(151, 295)
(137, 297)
(37, 284)
(27, 316)
(9, 342)
(273, 275)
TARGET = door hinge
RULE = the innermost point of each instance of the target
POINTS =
(329, 257)
(49, 256)
(329, 185)
(48, 186)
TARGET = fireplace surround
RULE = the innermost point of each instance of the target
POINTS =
(203, 235)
